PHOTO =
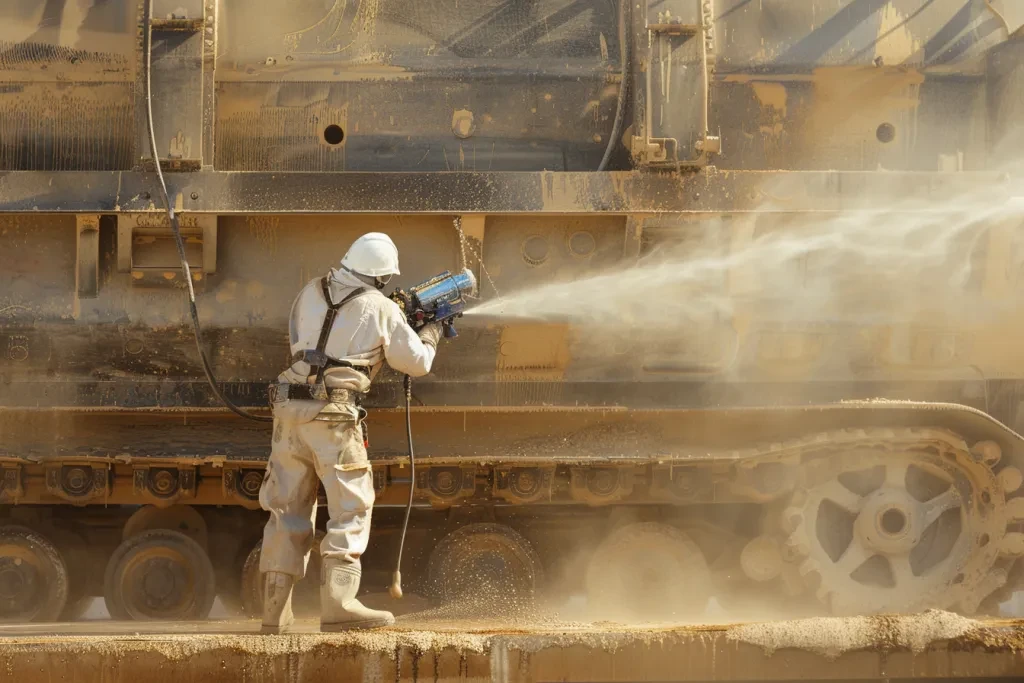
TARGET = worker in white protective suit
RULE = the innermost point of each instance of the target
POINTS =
(342, 329)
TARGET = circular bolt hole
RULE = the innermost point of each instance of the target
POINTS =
(582, 243)
(195, 195)
(535, 250)
(333, 134)
(886, 133)
(893, 521)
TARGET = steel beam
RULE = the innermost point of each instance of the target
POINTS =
(624, 192)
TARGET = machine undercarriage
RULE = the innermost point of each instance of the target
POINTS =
(875, 517)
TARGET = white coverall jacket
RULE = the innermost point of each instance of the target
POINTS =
(368, 330)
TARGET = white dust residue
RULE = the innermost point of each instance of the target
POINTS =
(832, 636)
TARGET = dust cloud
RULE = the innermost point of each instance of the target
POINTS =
(871, 265)
(954, 258)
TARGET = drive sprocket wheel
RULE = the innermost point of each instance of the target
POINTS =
(902, 526)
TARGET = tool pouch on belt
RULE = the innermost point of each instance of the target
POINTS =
(342, 412)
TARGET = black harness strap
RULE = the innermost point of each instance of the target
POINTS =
(325, 331)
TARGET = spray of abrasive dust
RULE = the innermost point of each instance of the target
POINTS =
(908, 259)
(871, 264)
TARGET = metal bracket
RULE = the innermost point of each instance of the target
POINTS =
(146, 249)
(601, 485)
(181, 29)
(78, 484)
(11, 489)
(243, 484)
(87, 270)
(380, 480)
(443, 486)
(673, 26)
(164, 485)
(209, 82)
(673, 44)
(681, 484)
(523, 484)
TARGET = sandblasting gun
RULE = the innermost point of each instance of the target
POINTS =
(440, 299)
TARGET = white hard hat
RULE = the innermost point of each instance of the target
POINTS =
(373, 254)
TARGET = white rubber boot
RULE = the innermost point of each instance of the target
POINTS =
(339, 609)
(277, 602)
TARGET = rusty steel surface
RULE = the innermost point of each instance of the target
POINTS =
(526, 86)
(933, 646)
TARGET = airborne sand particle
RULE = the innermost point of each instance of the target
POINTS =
(870, 265)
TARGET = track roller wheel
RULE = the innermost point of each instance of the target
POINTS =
(181, 518)
(648, 572)
(33, 576)
(484, 563)
(305, 598)
(159, 575)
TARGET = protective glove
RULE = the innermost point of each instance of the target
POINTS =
(431, 334)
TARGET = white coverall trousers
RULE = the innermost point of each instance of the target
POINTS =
(304, 452)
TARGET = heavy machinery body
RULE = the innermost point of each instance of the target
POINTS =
(533, 142)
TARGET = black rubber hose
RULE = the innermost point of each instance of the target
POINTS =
(620, 106)
(396, 579)
(176, 229)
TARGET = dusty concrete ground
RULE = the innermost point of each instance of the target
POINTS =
(933, 645)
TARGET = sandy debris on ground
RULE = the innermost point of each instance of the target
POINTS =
(450, 629)
(832, 636)
(386, 642)
(177, 647)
